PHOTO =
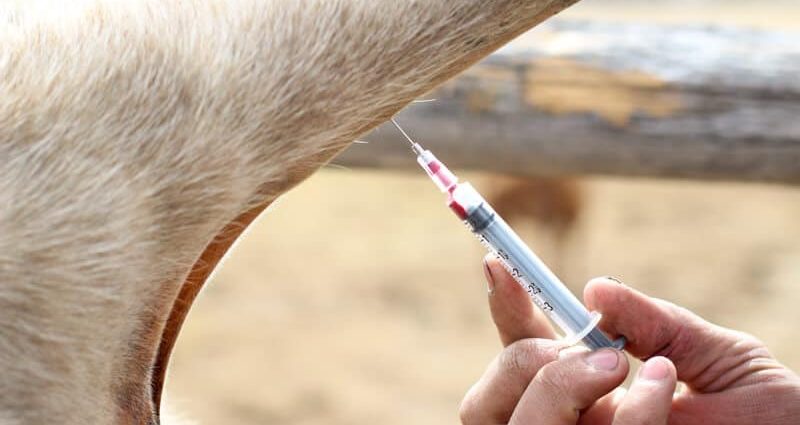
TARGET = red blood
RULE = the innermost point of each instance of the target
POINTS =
(441, 174)
(457, 208)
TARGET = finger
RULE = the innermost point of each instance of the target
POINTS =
(563, 388)
(602, 411)
(649, 399)
(775, 398)
(512, 310)
(493, 398)
(707, 357)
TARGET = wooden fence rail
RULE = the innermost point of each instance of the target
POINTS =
(615, 99)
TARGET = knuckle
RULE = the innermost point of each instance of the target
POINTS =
(469, 409)
(748, 346)
(464, 413)
(745, 339)
(523, 355)
(554, 378)
(555, 381)
(518, 356)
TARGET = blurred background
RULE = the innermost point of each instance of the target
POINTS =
(339, 307)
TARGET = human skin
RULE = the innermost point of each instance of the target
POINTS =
(730, 377)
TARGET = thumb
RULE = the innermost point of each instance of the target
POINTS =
(708, 358)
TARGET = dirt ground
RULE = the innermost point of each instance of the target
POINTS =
(337, 309)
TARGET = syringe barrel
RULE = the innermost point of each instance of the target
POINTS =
(544, 287)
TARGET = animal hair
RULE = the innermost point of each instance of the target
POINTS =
(133, 132)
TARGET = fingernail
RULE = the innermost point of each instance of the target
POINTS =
(654, 369)
(489, 278)
(614, 279)
(605, 359)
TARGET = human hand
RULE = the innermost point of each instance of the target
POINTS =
(730, 376)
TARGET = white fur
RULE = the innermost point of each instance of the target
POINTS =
(131, 132)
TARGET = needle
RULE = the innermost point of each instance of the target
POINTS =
(414, 146)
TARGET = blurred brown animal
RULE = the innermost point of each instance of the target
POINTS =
(553, 203)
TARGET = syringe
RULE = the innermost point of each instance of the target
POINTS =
(546, 290)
